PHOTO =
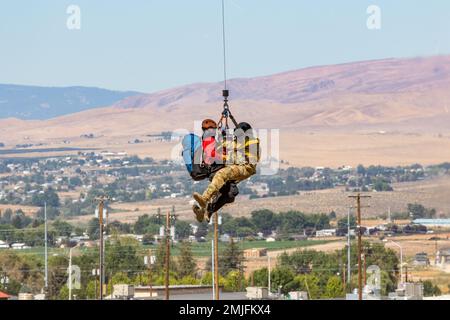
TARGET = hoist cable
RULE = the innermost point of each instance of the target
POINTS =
(224, 46)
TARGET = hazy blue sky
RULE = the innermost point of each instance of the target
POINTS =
(149, 45)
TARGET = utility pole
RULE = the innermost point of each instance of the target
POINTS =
(46, 248)
(406, 274)
(269, 271)
(100, 217)
(167, 266)
(349, 265)
(212, 270)
(216, 255)
(101, 202)
(344, 280)
(436, 252)
(150, 272)
(365, 269)
(70, 273)
(173, 218)
(111, 284)
(359, 233)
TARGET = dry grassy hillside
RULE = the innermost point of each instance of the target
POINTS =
(391, 112)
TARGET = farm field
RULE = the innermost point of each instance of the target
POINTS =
(201, 249)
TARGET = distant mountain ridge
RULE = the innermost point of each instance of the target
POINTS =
(40, 103)
(411, 95)
(413, 92)
(386, 76)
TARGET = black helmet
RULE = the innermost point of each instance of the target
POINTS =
(244, 126)
(243, 129)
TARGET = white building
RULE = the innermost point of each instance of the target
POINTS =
(19, 246)
(326, 233)
(433, 222)
(3, 245)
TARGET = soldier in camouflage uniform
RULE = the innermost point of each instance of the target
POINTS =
(243, 160)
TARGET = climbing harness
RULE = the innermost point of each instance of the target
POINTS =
(226, 113)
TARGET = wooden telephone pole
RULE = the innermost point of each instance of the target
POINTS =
(365, 269)
(101, 202)
(169, 217)
(359, 233)
(167, 267)
(406, 274)
(216, 256)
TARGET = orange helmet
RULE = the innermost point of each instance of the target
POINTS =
(209, 124)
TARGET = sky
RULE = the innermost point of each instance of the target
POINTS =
(150, 45)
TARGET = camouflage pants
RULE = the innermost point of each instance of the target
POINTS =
(234, 172)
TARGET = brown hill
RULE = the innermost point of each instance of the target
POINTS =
(383, 91)
(394, 95)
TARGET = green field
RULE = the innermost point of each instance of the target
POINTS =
(202, 249)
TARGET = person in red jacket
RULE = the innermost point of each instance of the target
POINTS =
(211, 158)
(209, 128)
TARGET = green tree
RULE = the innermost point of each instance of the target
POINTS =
(57, 274)
(234, 281)
(309, 283)
(342, 223)
(182, 229)
(121, 255)
(418, 211)
(75, 182)
(334, 288)
(19, 220)
(91, 286)
(376, 254)
(118, 227)
(186, 262)
(430, 289)
(332, 215)
(360, 170)
(6, 216)
(232, 258)
(261, 277)
(49, 196)
(382, 185)
(208, 277)
(280, 277)
(160, 262)
(21, 269)
(141, 224)
(93, 229)
(62, 228)
(63, 293)
(264, 220)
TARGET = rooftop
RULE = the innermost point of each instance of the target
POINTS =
(432, 222)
